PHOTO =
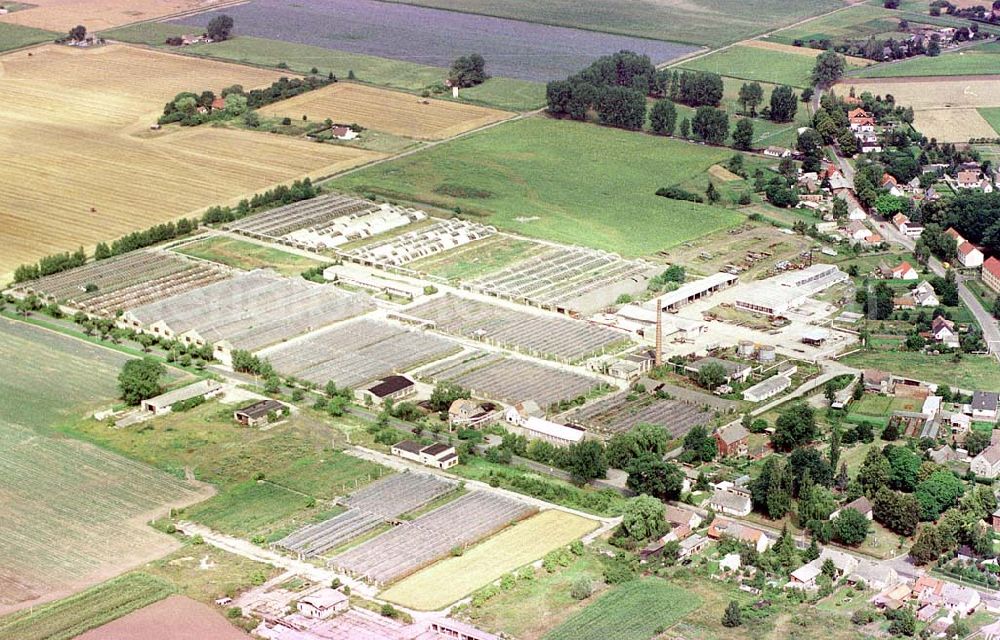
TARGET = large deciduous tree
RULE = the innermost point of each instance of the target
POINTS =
(468, 71)
(140, 380)
(795, 426)
(784, 104)
(220, 27)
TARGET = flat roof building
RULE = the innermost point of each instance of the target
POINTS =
(163, 403)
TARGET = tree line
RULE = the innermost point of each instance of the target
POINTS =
(191, 109)
(278, 196)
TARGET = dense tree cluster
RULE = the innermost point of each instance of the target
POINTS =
(192, 109)
(468, 71)
(140, 379)
(220, 27)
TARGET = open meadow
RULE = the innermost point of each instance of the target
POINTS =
(512, 48)
(702, 22)
(764, 62)
(974, 61)
(449, 580)
(394, 112)
(14, 36)
(944, 107)
(94, 170)
(243, 254)
(560, 180)
(60, 15)
(854, 22)
(58, 540)
(973, 372)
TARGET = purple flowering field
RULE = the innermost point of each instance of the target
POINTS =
(434, 37)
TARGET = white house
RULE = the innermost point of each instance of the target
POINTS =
(534, 428)
(984, 405)
(729, 503)
(323, 603)
(987, 463)
(923, 294)
(438, 455)
(969, 255)
(804, 577)
(904, 271)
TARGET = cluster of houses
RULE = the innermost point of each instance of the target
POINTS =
(862, 125)
(931, 598)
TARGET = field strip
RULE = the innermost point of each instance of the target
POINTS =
(800, 51)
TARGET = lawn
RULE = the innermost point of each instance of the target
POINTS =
(68, 618)
(450, 580)
(636, 610)
(752, 63)
(973, 372)
(504, 93)
(15, 36)
(704, 22)
(247, 255)
(558, 180)
(266, 479)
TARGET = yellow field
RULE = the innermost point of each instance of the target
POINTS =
(393, 112)
(451, 580)
(802, 51)
(945, 107)
(81, 165)
(60, 15)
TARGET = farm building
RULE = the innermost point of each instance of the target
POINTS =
(775, 296)
(767, 388)
(259, 413)
(534, 428)
(391, 388)
(691, 545)
(815, 336)
(735, 371)
(729, 503)
(248, 311)
(323, 603)
(373, 280)
(163, 403)
(469, 414)
(877, 381)
(731, 440)
(439, 456)
(729, 528)
(696, 290)
(571, 280)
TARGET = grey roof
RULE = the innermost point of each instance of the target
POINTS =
(193, 390)
(733, 432)
(409, 446)
(260, 408)
(729, 500)
(985, 400)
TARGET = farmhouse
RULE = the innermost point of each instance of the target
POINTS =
(969, 179)
(534, 428)
(470, 414)
(440, 456)
(730, 503)
(991, 274)
(943, 330)
(723, 527)
(804, 577)
(875, 575)
(903, 271)
(678, 517)
(391, 388)
(767, 388)
(877, 381)
(691, 545)
(984, 405)
(778, 152)
(987, 463)
(969, 256)
(924, 296)
(731, 440)
(323, 603)
(861, 120)
(735, 371)
(344, 133)
(162, 404)
(259, 413)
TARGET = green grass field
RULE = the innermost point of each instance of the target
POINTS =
(991, 115)
(853, 22)
(704, 22)
(762, 65)
(247, 255)
(65, 619)
(503, 93)
(451, 579)
(980, 60)
(560, 180)
(632, 611)
(973, 372)
(15, 36)
(477, 258)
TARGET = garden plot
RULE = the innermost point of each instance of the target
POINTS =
(130, 280)
(326, 222)
(358, 352)
(547, 336)
(428, 241)
(573, 279)
(412, 545)
(367, 509)
(248, 311)
(512, 48)
(623, 411)
(511, 380)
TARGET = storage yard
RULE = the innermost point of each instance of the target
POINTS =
(568, 279)
(123, 282)
(510, 379)
(248, 311)
(357, 352)
(412, 545)
(546, 336)
(380, 502)
(326, 222)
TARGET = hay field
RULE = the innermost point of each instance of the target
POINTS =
(60, 15)
(401, 114)
(945, 107)
(801, 51)
(73, 514)
(74, 133)
(447, 581)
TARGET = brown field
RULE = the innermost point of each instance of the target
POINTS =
(81, 165)
(60, 15)
(945, 106)
(175, 618)
(394, 112)
(802, 51)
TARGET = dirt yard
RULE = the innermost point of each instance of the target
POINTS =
(60, 15)
(175, 618)
(81, 164)
(393, 112)
(945, 106)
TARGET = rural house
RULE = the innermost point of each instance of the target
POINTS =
(991, 274)
(391, 388)
(943, 330)
(984, 405)
(969, 256)
(924, 296)
(861, 505)
(877, 381)
(469, 414)
(732, 440)
(729, 503)
(987, 463)
(438, 455)
(678, 517)
(904, 271)
(723, 527)
(259, 413)
(323, 603)
(163, 403)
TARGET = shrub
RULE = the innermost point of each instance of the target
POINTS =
(582, 588)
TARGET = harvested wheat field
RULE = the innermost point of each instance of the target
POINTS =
(800, 51)
(81, 165)
(60, 15)
(393, 112)
(944, 106)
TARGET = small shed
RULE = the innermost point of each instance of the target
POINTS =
(259, 413)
